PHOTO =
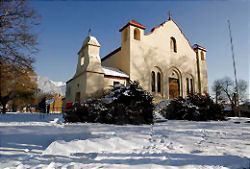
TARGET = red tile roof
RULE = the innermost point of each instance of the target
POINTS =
(134, 23)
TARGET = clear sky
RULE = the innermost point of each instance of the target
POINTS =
(65, 25)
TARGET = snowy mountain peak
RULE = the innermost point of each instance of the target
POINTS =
(49, 86)
(58, 84)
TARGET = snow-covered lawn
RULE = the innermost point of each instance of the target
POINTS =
(43, 141)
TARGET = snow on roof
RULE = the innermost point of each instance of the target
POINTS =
(110, 71)
(91, 40)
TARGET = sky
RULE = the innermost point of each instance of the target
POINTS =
(65, 25)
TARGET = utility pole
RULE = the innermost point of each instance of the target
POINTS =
(236, 98)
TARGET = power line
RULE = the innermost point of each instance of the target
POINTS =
(234, 66)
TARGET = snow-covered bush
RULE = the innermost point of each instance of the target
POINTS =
(161, 105)
(194, 107)
(122, 105)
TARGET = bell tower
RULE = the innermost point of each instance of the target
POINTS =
(132, 31)
(131, 34)
(201, 68)
(89, 56)
(89, 77)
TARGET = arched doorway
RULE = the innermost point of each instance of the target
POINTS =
(174, 84)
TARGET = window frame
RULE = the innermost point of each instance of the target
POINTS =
(82, 59)
(173, 45)
(158, 82)
(137, 34)
(191, 86)
(78, 97)
(153, 81)
(202, 55)
(116, 83)
(187, 87)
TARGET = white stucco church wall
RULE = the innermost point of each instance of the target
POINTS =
(162, 61)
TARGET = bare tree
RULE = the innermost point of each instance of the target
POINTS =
(217, 89)
(17, 38)
(225, 91)
(242, 90)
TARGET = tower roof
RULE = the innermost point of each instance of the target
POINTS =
(134, 23)
(91, 40)
(196, 46)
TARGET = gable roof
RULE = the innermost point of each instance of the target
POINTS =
(134, 23)
(111, 53)
(154, 28)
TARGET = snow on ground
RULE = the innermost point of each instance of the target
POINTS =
(43, 141)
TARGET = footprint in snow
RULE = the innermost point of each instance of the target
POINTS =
(51, 165)
(196, 151)
(85, 155)
(20, 166)
(170, 146)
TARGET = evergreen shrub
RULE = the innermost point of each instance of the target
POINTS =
(122, 105)
(195, 107)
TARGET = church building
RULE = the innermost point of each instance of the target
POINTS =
(163, 62)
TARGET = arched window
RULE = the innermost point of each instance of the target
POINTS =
(202, 55)
(153, 81)
(159, 82)
(82, 60)
(137, 35)
(173, 44)
(187, 85)
(191, 86)
(77, 97)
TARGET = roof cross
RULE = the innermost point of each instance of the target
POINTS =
(170, 15)
(89, 32)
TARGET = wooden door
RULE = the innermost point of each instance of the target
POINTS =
(77, 97)
(173, 88)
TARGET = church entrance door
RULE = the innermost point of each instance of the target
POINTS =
(77, 97)
(173, 88)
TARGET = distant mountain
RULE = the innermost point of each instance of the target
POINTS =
(49, 86)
